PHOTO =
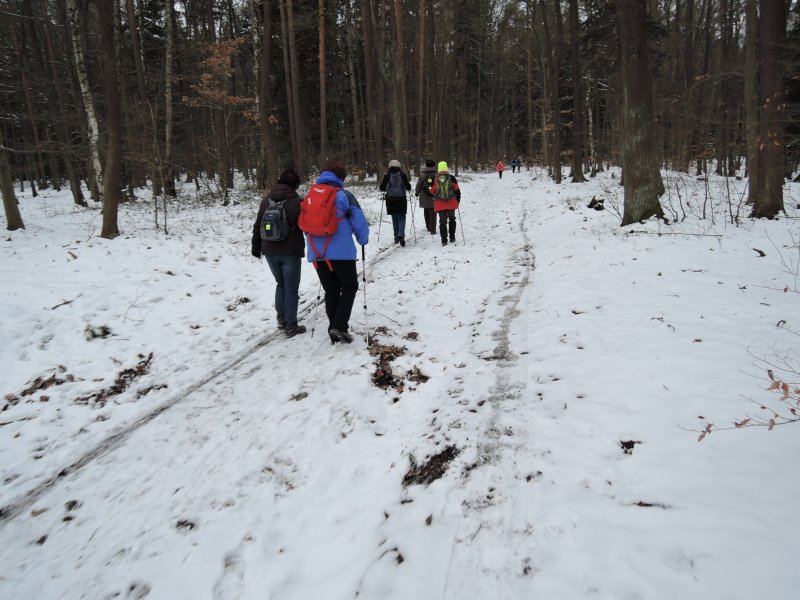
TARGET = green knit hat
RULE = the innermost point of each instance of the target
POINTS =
(442, 166)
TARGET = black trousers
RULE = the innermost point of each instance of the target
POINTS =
(340, 285)
(447, 218)
(430, 219)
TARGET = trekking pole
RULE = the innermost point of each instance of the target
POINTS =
(380, 220)
(458, 210)
(364, 278)
(316, 306)
(413, 225)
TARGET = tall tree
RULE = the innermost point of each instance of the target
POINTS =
(77, 25)
(578, 100)
(323, 76)
(641, 175)
(112, 179)
(13, 216)
(768, 195)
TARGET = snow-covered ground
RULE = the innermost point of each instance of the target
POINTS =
(525, 426)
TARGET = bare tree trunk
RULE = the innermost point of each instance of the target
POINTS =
(420, 146)
(111, 182)
(76, 26)
(133, 28)
(302, 155)
(267, 168)
(577, 96)
(553, 51)
(13, 216)
(751, 95)
(768, 201)
(169, 121)
(38, 165)
(642, 178)
(287, 75)
(323, 76)
(58, 85)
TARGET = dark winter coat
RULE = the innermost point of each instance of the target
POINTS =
(393, 206)
(424, 183)
(295, 244)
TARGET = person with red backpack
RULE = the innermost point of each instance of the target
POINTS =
(500, 168)
(395, 184)
(446, 198)
(330, 216)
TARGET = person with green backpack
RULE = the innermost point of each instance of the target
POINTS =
(446, 198)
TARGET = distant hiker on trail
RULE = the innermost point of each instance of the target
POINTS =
(329, 207)
(421, 190)
(513, 165)
(500, 168)
(284, 251)
(446, 198)
(395, 183)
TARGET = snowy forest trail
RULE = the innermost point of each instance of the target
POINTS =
(522, 425)
(210, 454)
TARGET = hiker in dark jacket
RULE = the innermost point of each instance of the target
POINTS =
(421, 190)
(286, 257)
(395, 183)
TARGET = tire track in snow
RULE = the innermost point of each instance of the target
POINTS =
(116, 439)
(468, 553)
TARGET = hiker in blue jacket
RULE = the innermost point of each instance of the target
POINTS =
(336, 269)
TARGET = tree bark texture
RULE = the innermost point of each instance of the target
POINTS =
(642, 179)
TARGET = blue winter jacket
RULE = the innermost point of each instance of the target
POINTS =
(341, 246)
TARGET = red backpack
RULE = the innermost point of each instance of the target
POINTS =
(318, 217)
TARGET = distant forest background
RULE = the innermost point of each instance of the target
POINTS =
(125, 93)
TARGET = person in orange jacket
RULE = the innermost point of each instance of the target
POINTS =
(500, 168)
(446, 198)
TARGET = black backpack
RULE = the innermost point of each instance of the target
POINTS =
(274, 224)
(394, 188)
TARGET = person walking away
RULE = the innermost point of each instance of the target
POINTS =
(513, 165)
(421, 190)
(500, 168)
(334, 256)
(284, 256)
(396, 183)
(446, 198)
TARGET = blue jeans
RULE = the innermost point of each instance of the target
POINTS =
(399, 226)
(286, 270)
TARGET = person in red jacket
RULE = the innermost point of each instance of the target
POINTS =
(446, 198)
(500, 168)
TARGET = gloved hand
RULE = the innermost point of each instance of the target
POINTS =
(255, 251)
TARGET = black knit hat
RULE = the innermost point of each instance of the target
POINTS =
(290, 178)
(430, 163)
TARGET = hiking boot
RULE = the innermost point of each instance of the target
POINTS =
(281, 322)
(444, 241)
(396, 239)
(338, 335)
(293, 330)
(453, 239)
(403, 242)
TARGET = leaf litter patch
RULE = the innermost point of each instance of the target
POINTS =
(432, 469)
(384, 376)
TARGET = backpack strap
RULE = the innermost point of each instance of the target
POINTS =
(321, 255)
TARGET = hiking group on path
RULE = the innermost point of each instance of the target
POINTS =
(322, 226)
